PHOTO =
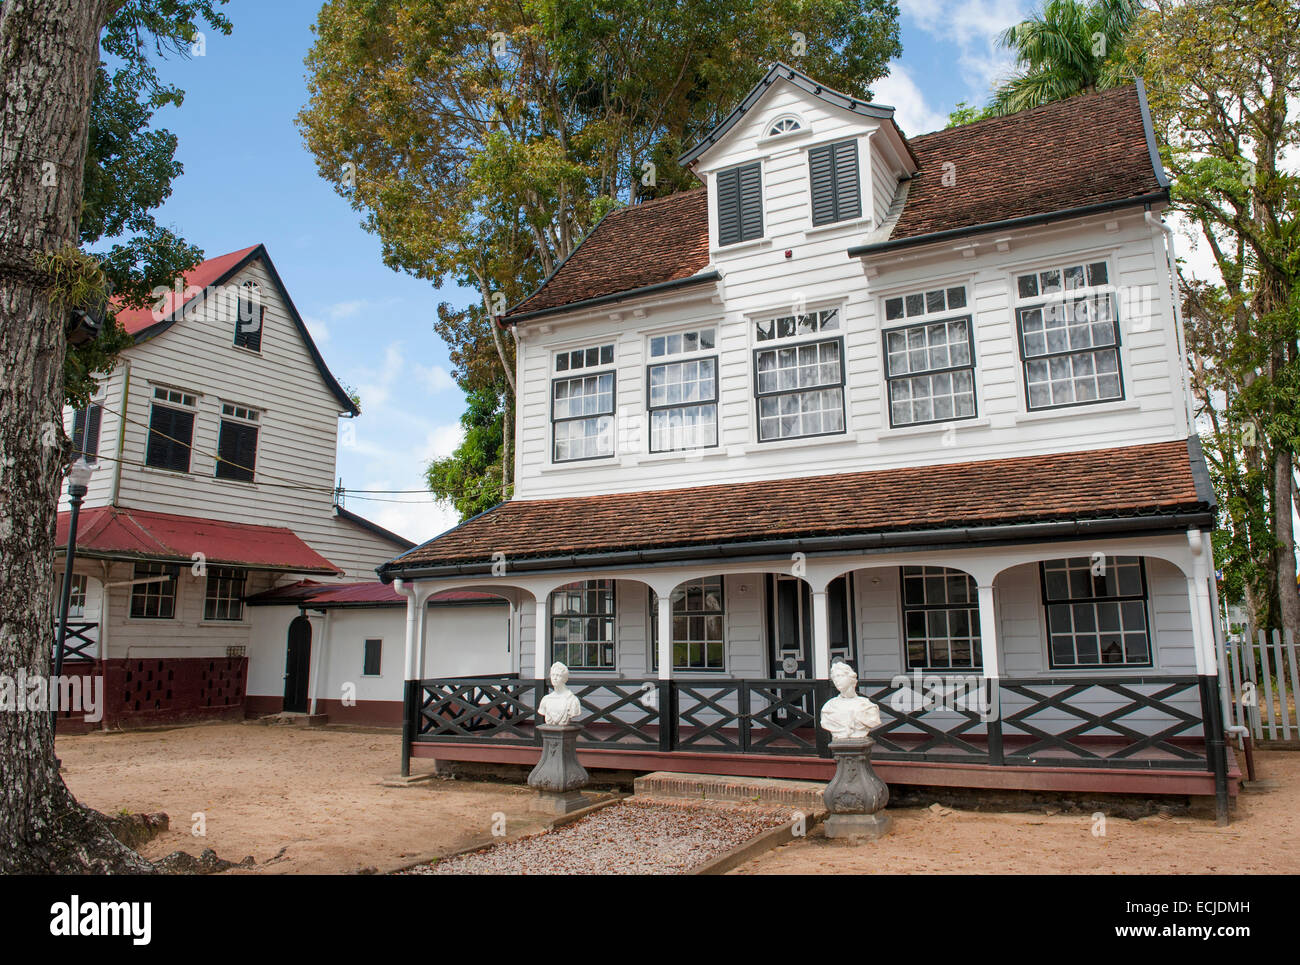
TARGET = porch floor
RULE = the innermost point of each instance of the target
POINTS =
(1132, 779)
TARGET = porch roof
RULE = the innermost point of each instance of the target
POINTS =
(112, 532)
(1130, 489)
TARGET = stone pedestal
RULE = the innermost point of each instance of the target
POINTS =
(558, 774)
(855, 797)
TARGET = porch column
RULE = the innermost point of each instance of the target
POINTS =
(992, 670)
(541, 659)
(409, 674)
(989, 633)
(821, 635)
(664, 614)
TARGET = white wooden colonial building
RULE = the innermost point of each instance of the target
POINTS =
(214, 441)
(914, 403)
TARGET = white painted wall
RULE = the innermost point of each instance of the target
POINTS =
(759, 281)
(297, 437)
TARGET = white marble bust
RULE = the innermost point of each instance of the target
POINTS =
(848, 716)
(560, 706)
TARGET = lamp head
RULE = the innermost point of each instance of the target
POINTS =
(79, 477)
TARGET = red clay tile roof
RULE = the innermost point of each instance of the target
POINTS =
(645, 244)
(114, 533)
(1088, 149)
(1133, 481)
(205, 273)
(313, 594)
(1080, 151)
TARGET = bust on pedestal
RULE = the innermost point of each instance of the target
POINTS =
(558, 774)
(855, 797)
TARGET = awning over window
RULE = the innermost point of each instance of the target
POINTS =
(107, 532)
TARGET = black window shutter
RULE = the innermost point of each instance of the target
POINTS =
(833, 174)
(170, 433)
(249, 319)
(740, 204)
(85, 432)
(821, 176)
(848, 196)
(237, 451)
(729, 207)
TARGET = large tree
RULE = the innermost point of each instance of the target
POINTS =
(483, 140)
(53, 91)
(1068, 47)
(1223, 78)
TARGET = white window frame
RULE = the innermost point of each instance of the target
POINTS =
(170, 397)
(711, 354)
(611, 617)
(964, 312)
(1021, 303)
(594, 369)
(777, 341)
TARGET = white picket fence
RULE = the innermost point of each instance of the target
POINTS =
(1265, 684)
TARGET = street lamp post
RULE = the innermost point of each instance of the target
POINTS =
(78, 484)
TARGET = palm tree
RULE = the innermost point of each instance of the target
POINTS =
(1069, 48)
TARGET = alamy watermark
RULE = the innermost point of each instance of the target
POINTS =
(66, 694)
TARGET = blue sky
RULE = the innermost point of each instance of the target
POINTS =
(249, 179)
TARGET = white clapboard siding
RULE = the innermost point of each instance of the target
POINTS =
(798, 266)
(298, 430)
(763, 282)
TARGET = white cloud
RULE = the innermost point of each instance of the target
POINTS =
(320, 332)
(914, 116)
(437, 379)
(972, 26)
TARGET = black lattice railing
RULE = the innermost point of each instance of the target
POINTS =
(1131, 722)
(781, 717)
(78, 644)
(949, 729)
(618, 713)
(497, 709)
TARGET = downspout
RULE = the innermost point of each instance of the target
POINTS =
(1171, 262)
(121, 432)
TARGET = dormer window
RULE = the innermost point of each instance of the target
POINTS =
(249, 315)
(740, 204)
(784, 125)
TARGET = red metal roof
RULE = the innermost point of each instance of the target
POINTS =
(136, 320)
(311, 593)
(115, 533)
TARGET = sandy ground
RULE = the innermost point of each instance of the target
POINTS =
(1263, 838)
(313, 793)
(314, 798)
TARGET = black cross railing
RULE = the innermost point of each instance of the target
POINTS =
(78, 644)
(1129, 722)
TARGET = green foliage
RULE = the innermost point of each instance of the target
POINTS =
(130, 168)
(470, 478)
(1221, 78)
(482, 141)
(965, 113)
(1069, 47)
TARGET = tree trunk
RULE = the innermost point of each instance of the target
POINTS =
(1288, 598)
(49, 50)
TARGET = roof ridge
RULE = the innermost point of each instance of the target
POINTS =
(1026, 112)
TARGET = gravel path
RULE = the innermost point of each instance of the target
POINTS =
(631, 837)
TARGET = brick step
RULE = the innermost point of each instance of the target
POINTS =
(803, 795)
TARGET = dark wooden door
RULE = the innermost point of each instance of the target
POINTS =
(297, 664)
